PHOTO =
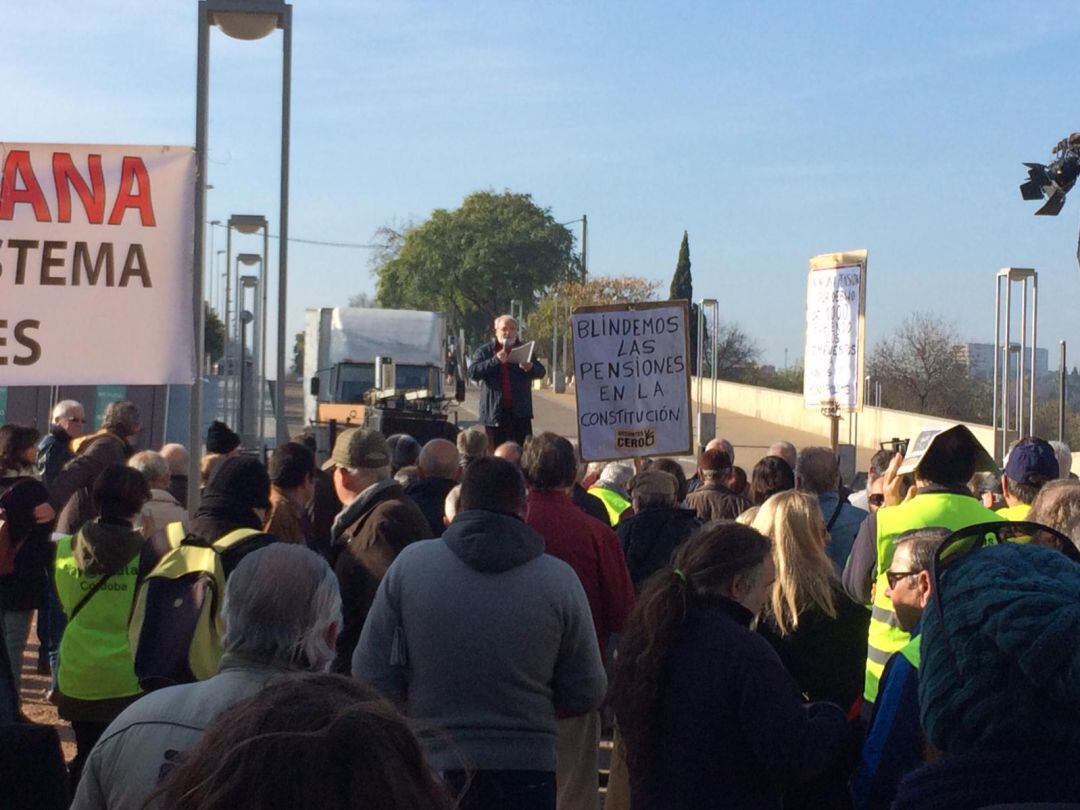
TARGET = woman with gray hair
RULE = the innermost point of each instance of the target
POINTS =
(162, 508)
(611, 488)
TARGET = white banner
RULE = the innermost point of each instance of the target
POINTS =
(632, 380)
(96, 264)
(835, 307)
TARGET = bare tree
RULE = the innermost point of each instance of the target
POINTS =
(736, 352)
(920, 368)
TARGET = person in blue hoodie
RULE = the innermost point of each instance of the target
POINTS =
(479, 636)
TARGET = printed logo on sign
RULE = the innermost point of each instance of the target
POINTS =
(635, 439)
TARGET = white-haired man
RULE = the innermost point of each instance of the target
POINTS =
(506, 396)
(162, 508)
(54, 450)
(282, 613)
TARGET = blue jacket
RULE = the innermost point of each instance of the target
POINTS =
(485, 369)
(844, 528)
(894, 742)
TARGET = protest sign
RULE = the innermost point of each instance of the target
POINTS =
(96, 264)
(833, 356)
(632, 380)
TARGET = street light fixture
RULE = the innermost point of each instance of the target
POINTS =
(239, 19)
(246, 259)
(244, 318)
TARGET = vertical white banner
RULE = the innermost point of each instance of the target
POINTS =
(835, 323)
(96, 263)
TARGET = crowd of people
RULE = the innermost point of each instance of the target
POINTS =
(437, 625)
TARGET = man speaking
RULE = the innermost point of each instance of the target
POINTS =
(505, 396)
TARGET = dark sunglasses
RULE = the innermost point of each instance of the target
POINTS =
(894, 577)
(876, 499)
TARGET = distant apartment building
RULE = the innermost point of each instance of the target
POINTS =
(979, 358)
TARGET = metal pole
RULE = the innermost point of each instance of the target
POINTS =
(1034, 339)
(997, 350)
(202, 86)
(1021, 360)
(1061, 391)
(700, 357)
(1005, 370)
(555, 343)
(565, 340)
(584, 248)
(240, 426)
(264, 275)
(715, 321)
(282, 432)
(227, 382)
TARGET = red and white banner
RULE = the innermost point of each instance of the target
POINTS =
(96, 264)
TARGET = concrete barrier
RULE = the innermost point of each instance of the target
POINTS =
(874, 425)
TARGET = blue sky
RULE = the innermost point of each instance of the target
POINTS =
(770, 131)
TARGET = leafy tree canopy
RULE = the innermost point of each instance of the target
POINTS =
(471, 262)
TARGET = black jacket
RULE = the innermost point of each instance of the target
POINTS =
(53, 452)
(650, 537)
(485, 369)
(589, 504)
(430, 495)
(825, 656)
(731, 728)
(24, 588)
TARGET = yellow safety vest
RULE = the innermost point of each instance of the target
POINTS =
(615, 503)
(946, 509)
(95, 657)
(1018, 512)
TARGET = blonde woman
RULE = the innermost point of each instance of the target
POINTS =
(818, 632)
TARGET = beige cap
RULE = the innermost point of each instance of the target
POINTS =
(359, 448)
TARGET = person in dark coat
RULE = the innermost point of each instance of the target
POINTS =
(818, 632)
(439, 468)
(54, 450)
(377, 522)
(712, 500)
(506, 395)
(69, 494)
(708, 714)
(999, 694)
(660, 526)
(22, 590)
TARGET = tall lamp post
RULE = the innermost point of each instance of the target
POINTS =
(248, 260)
(239, 19)
(251, 224)
(244, 318)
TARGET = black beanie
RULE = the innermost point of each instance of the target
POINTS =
(219, 439)
(242, 479)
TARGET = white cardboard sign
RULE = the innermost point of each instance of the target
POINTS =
(835, 316)
(96, 264)
(632, 380)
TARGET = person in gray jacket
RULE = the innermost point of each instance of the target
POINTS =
(282, 611)
(479, 636)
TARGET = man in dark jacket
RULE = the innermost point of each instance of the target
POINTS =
(378, 521)
(438, 475)
(506, 396)
(659, 526)
(54, 450)
(712, 500)
(70, 493)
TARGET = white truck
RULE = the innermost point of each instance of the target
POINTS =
(382, 368)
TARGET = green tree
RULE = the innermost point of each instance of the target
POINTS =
(213, 334)
(471, 262)
(682, 287)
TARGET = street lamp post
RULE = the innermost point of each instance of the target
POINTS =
(239, 19)
(245, 317)
(250, 224)
(248, 260)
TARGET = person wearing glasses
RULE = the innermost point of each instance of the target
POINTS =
(54, 450)
(941, 498)
(894, 742)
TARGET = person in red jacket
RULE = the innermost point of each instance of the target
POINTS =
(594, 552)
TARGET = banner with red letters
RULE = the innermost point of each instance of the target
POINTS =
(96, 264)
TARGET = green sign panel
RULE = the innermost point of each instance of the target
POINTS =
(105, 395)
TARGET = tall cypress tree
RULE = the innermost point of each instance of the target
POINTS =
(682, 286)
